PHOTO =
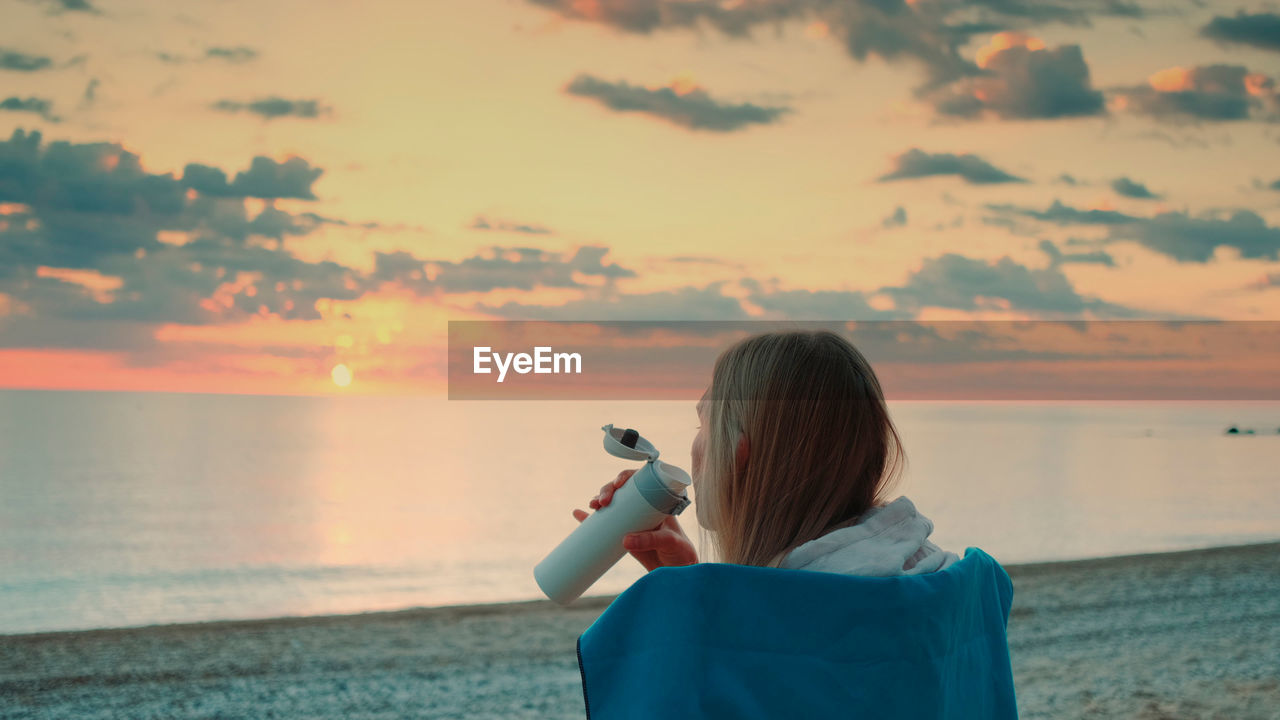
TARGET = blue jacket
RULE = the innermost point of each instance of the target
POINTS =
(717, 640)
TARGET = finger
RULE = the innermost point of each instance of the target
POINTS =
(651, 540)
(580, 515)
(636, 542)
(672, 525)
(622, 478)
(606, 494)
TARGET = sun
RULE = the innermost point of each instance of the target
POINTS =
(341, 375)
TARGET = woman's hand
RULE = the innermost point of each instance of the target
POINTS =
(665, 545)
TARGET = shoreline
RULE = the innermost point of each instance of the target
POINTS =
(597, 602)
(1177, 635)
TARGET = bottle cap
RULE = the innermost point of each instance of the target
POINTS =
(627, 443)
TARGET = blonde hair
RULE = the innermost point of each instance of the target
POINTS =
(822, 448)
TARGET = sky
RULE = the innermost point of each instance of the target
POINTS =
(296, 197)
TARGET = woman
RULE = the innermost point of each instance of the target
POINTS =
(794, 453)
(829, 601)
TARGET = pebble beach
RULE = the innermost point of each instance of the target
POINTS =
(1164, 636)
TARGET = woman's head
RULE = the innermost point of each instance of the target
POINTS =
(794, 439)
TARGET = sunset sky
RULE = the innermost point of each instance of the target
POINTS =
(273, 197)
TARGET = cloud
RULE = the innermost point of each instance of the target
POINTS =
(948, 281)
(928, 33)
(90, 95)
(1129, 188)
(895, 30)
(236, 55)
(965, 283)
(61, 6)
(270, 108)
(210, 280)
(702, 260)
(1071, 13)
(686, 303)
(1174, 234)
(274, 223)
(265, 178)
(890, 29)
(239, 54)
(1061, 214)
(802, 304)
(520, 268)
(916, 163)
(38, 106)
(101, 178)
(1206, 92)
(1261, 30)
(481, 223)
(681, 103)
(1022, 79)
(91, 237)
(1057, 257)
(22, 62)
(93, 245)
(897, 218)
(1191, 239)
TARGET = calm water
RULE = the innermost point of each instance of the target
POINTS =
(121, 509)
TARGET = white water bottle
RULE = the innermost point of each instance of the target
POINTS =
(655, 491)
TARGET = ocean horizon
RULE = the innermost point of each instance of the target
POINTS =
(122, 509)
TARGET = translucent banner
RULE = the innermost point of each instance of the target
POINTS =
(938, 360)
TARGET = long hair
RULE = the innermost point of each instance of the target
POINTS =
(822, 448)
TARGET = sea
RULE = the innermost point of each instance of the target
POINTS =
(129, 509)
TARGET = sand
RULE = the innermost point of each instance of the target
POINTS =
(1180, 635)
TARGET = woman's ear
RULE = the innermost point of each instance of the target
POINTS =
(741, 454)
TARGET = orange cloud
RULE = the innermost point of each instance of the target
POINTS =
(1024, 79)
(1259, 85)
(1175, 79)
(1184, 79)
(100, 286)
(1210, 92)
(588, 9)
(1001, 42)
(682, 85)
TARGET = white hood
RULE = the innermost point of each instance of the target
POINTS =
(887, 540)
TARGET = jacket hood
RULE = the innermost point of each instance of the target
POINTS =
(887, 540)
